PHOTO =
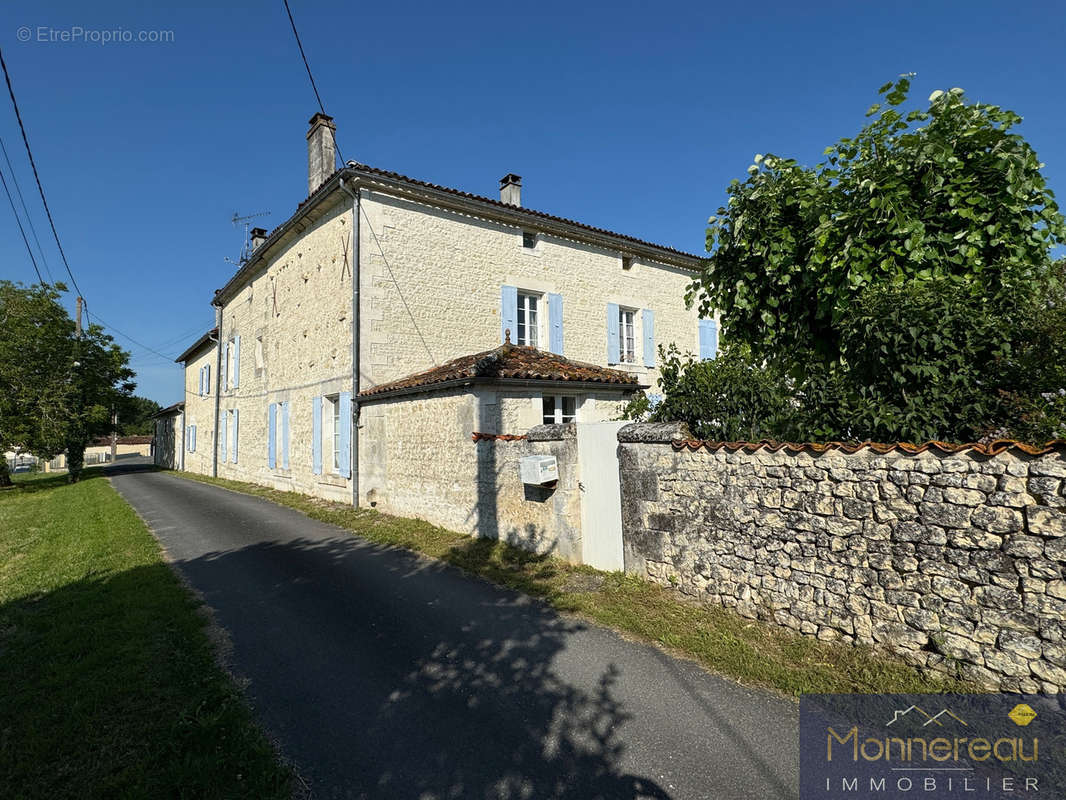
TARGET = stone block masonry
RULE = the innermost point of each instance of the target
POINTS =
(952, 561)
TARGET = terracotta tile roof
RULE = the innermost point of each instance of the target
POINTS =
(989, 449)
(354, 169)
(106, 440)
(542, 214)
(508, 362)
(196, 346)
(179, 406)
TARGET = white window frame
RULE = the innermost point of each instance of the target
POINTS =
(331, 412)
(559, 403)
(529, 303)
(627, 335)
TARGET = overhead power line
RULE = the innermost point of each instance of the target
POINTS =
(36, 175)
(307, 66)
(130, 338)
(26, 211)
(21, 230)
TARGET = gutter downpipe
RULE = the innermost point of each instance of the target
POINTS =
(355, 339)
(181, 422)
(218, 387)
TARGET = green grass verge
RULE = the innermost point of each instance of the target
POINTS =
(109, 685)
(755, 653)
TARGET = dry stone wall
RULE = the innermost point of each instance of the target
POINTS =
(953, 561)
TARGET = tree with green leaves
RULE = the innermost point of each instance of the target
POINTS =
(57, 389)
(135, 415)
(892, 280)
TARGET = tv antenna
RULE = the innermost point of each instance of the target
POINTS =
(246, 249)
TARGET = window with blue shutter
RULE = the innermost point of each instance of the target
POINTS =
(201, 381)
(272, 435)
(344, 458)
(233, 428)
(555, 323)
(647, 327)
(708, 339)
(284, 435)
(222, 436)
(613, 348)
(207, 379)
(316, 435)
(508, 313)
(236, 361)
(193, 440)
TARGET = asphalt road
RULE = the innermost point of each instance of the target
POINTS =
(382, 674)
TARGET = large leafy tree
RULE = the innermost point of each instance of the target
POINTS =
(896, 280)
(135, 415)
(57, 389)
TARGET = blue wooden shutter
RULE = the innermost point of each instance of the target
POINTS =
(613, 348)
(647, 325)
(345, 456)
(236, 361)
(272, 435)
(285, 435)
(708, 339)
(233, 450)
(555, 321)
(316, 435)
(201, 381)
(508, 313)
(222, 435)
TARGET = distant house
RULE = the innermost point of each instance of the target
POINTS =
(169, 437)
(99, 451)
(316, 373)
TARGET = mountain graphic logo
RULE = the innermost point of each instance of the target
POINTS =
(930, 719)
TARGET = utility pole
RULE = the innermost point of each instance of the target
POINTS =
(77, 314)
(114, 435)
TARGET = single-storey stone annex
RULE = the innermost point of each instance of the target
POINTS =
(377, 277)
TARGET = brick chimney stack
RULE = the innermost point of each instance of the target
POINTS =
(321, 151)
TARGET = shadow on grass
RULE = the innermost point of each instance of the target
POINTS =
(108, 687)
(385, 676)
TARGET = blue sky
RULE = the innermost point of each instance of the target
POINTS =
(630, 116)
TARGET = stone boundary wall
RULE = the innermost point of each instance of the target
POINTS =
(953, 561)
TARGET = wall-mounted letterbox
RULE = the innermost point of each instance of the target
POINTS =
(538, 470)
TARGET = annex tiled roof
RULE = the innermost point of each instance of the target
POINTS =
(196, 345)
(990, 449)
(508, 362)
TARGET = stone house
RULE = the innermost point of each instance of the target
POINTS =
(377, 277)
(169, 439)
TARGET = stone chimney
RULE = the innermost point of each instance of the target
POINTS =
(321, 151)
(257, 236)
(511, 189)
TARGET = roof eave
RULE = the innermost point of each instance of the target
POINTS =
(603, 386)
(456, 200)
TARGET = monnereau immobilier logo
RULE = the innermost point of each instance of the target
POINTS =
(896, 746)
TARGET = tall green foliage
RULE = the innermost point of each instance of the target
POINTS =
(57, 390)
(902, 282)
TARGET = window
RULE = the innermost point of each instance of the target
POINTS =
(627, 336)
(559, 409)
(331, 430)
(233, 362)
(258, 354)
(529, 239)
(528, 319)
(627, 262)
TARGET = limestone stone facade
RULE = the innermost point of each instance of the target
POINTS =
(427, 274)
(956, 562)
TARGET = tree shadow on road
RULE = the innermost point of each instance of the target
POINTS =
(356, 663)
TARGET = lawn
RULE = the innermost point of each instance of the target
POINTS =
(108, 682)
(754, 653)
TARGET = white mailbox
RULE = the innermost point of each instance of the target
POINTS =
(538, 470)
